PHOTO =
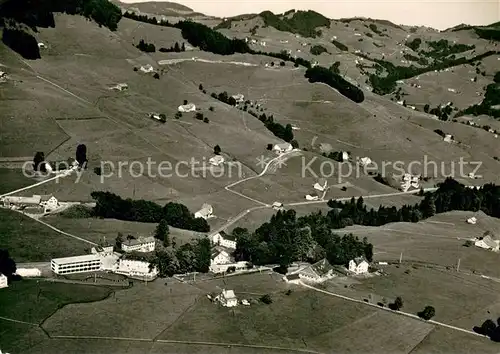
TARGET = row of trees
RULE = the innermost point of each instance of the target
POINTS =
(189, 257)
(146, 47)
(283, 132)
(329, 77)
(384, 84)
(176, 48)
(450, 196)
(109, 205)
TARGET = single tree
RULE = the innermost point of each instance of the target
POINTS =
(185, 102)
(162, 232)
(266, 299)
(156, 76)
(427, 313)
(183, 48)
(426, 108)
(38, 162)
(177, 49)
(200, 87)
(81, 155)
(217, 150)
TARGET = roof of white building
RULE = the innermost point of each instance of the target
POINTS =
(84, 258)
(228, 294)
(139, 241)
(359, 260)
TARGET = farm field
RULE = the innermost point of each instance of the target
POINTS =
(142, 311)
(438, 240)
(459, 299)
(30, 241)
(97, 230)
(13, 179)
(31, 301)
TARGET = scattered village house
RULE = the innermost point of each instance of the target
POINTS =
(282, 148)
(148, 68)
(448, 138)
(315, 273)
(365, 161)
(487, 242)
(190, 107)
(4, 283)
(205, 212)
(472, 220)
(224, 241)
(217, 160)
(47, 202)
(358, 265)
(277, 206)
(120, 87)
(141, 244)
(321, 185)
(227, 298)
(239, 97)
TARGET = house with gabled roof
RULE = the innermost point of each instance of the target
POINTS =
(4, 283)
(315, 273)
(487, 242)
(205, 212)
(225, 240)
(359, 265)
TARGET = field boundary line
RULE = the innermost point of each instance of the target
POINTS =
(105, 338)
(59, 231)
(238, 345)
(18, 321)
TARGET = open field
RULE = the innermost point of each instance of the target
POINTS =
(22, 302)
(438, 240)
(96, 230)
(459, 299)
(13, 179)
(142, 311)
(29, 241)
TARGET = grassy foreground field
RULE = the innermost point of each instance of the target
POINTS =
(31, 302)
(29, 241)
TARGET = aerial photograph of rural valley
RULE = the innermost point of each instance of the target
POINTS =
(249, 178)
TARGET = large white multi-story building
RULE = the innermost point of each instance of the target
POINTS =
(142, 244)
(77, 264)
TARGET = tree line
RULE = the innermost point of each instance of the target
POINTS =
(286, 238)
(112, 206)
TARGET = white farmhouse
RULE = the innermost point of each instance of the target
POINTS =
(219, 256)
(282, 148)
(120, 87)
(314, 273)
(3, 281)
(190, 107)
(448, 138)
(277, 206)
(365, 161)
(358, 265)
(239, 97)
(226, 241)
(311, 197)
(41, 45)
(472, 220)
(292, 278)
(227, 298)
(321, 185)
(148, 68)
(49, 203)
(487, 242)
(217, 160)
(141, 244)
(205, 212)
